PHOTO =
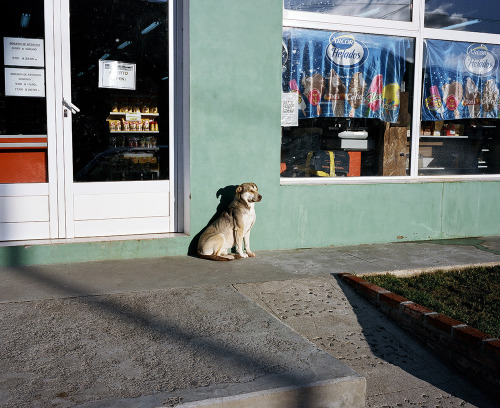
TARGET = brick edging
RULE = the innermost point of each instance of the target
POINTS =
(473, 352)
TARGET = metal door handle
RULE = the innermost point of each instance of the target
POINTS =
(73, 108)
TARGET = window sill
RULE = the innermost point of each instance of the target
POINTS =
(292, 181)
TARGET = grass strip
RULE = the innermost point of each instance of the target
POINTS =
(470, 295)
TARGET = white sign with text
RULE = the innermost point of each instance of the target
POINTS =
(24, 82)
(23, 52)
(117, 75)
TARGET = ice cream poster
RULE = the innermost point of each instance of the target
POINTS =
(461, 81)
(344, 74)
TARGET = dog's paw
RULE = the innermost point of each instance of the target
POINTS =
(243, 255)
(251, 254)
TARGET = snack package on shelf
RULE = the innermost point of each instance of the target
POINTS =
(137, 106)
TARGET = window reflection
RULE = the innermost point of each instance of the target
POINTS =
(484, 17)
(379, 9)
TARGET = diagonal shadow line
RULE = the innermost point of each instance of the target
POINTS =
(375, 337)
(175, 333)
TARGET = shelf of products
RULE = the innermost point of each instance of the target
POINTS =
(133, 122)
(133, 139)
(133, 116)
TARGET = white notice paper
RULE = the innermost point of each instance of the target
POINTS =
(116, 74)
(290, 109)
(24, 82)
(23, 52)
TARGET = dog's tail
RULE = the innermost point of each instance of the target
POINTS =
(217, 257)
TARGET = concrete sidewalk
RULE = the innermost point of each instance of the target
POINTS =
(276, 330)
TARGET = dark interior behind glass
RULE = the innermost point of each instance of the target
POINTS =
(23, 159)
(107, 146)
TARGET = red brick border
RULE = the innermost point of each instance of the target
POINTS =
(473, 352)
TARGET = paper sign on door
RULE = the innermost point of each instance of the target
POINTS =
(24, 82)
(23, 52)
(117, 75)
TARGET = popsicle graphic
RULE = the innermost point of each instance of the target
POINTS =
(313, 88)
(336, 94)
(490, 95)
(391, 95)
(452, 95)
(374, 96)
(436, 101)
(356, 92)
(472, 98)
(295, 88)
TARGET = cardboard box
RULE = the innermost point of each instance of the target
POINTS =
(354, 164)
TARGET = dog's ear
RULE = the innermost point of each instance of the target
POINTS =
(239, 189)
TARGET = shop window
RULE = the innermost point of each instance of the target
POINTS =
(346, 103)
(377, 9)
(460, 130)
(483, 16)
(23, 108)
(119, 60)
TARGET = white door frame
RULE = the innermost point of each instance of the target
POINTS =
(40, 211)
(69, 192)
(29, 211)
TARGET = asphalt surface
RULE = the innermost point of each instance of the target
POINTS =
(179, 330)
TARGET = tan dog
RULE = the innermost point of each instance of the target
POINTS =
(232, 227)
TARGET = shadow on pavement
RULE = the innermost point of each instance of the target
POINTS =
(141, 322)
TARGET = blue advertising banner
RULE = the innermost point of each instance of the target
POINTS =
(461, 81)
(344, 74)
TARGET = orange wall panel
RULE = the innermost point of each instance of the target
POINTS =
(23, 166)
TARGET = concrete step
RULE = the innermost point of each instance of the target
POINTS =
(206, 346)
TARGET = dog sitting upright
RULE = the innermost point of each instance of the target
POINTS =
(232, 227)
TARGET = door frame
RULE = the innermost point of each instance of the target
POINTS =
(66, 189)
(44, 212)
(29, 211)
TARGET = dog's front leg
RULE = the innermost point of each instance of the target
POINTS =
(238, 240)
(246, 239)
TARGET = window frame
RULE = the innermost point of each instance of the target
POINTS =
(415, 31)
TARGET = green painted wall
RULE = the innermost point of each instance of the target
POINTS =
(235, 137)
(235, 91)
(235, 100)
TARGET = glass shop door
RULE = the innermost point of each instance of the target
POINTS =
(28, 205)
(116, 117)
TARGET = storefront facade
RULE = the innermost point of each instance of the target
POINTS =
(398, 145)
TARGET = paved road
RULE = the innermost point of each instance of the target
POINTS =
(162, 332)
